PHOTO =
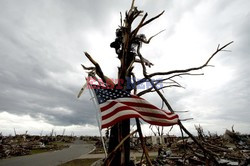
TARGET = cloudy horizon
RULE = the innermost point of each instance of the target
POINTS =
(42, 45)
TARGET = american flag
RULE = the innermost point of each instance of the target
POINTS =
(116, 105)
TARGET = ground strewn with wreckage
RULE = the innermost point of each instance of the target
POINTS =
(20, 145)
(231, 148)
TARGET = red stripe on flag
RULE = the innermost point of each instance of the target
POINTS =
(133, 104)
(120, 118)
(111, 104)
(150, 114)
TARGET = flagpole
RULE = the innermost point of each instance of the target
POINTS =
(93, 96)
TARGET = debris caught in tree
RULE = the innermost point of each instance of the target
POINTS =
(127, 45)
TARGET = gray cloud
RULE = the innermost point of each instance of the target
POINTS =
(41, 45)
(35, 68)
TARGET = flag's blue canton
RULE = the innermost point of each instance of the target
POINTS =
(107, 94)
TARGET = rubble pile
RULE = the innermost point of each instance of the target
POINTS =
(232, 148)
(20, 145)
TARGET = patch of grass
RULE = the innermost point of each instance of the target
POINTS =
(36, 151)
(58, 143)
(80, 162)
(50, 147)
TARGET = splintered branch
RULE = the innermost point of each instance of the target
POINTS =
(142, 23)
(134, 80)
(147, 62)
(121, 19)
(163, 81)
(193, 68)
(134, 32)
(179, 75)
(152, 19)
(81, 91)
(111, 155)
(183, 74)
(148, 41)
(138, 13)
(168, 86)
(132, 4)
(151, 89)
(151, 128)
(170, 129)
(145, 151)
(98, 69)
(176, 83)
(168, 78)
(88, 68)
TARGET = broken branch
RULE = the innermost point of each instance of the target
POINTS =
(194, 68)
(97, 67)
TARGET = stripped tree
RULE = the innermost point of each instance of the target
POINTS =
(127, 46)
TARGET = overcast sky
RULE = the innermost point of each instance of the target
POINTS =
(42, 44)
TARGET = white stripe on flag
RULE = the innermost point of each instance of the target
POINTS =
(132, 112)
(139, 109)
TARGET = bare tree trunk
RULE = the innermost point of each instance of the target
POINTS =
(127, 46)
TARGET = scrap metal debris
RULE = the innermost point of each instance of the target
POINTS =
(229, 149)
(20, 145)
(232, 148)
